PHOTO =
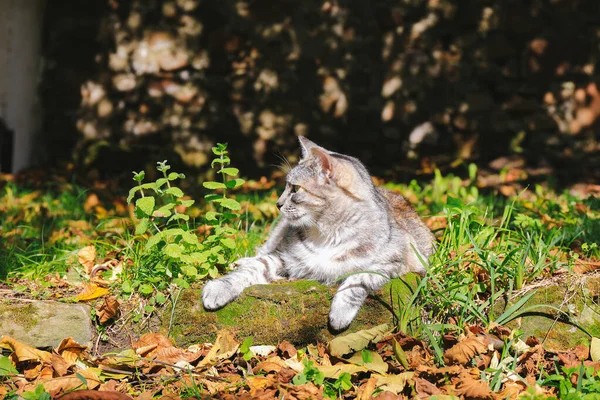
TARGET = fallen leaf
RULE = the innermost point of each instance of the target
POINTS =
(87, 257)
(91, 291)
(73, 382)
(473, 389)
(173, 355)
(91, 202)
(225, 346)
(464, 351)
(108, 309)
(334, 371)
(376, 364)
(24, 352)
(262, 350)
(425, 388)
(287, 349)
(95, 395)
(595, 349)
(149, 342)
(60, 365)
(394, 383)
(272, 364)
(365, 392)
(70, 350)
(259, 382)
(352, 342)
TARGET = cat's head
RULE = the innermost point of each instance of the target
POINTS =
(323, 184)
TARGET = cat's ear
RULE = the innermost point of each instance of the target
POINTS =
(306, 146)
(326, 162)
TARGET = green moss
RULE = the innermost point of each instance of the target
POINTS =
(546, 324)
(19, 312)
(296, 311)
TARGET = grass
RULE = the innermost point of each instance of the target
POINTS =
(489, 246)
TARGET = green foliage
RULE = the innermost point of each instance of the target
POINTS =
(310, 374)
(38, 394)
(587, 386)
(247, 354)
(332, 389)
(172, 249)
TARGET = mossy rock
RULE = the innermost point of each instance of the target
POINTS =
(295, 311)
(45, 323)
(579, 296)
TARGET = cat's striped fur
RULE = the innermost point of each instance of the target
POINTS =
(334, 222)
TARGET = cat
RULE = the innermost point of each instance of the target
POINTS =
(335, 222)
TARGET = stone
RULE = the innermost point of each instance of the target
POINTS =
(295, 311)
(576, 295)
(45, 323)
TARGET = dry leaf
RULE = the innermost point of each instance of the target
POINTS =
(225, 346)
(377, 364)
(73, 382)
(59, 364)
(365, 392)
(95, 395)
(24, 352)
(595, 349)
(334, 371)
(259, 382)
(473, 389)
(173, 355)
(91, 202)
(87, 257)
(394, 383)
(352, 342)
(108, 309)
(464, 351)
(70, 350)
(91, 291)
(287, 349)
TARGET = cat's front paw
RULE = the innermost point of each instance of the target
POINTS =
(340, 319)
(216, 294)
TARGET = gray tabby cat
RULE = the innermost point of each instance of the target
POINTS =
(334, 222)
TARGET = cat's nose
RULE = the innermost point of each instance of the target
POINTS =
(279, 204)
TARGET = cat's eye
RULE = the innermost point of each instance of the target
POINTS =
(295, 188)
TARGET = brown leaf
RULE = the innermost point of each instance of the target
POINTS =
(70, 350)
(152, 338)
(464, 351)
(388, 396)
(59, 364)
(306, 391)
(87, 257)
(108, 309)
(425, 388)
(285, 375)
(287, 349)
(473, 389)
(24, 352)
(365, 392)
(91, 202)
(273, 364)
(225, 346)
(94, 395)
(91, 291)
(71, 382)
(173, 355)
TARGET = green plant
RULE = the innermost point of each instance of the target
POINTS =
(586, 388)
(247, 354)
(172, 249)
(222, 218)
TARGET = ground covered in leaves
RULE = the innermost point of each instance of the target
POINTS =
(64, 241)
